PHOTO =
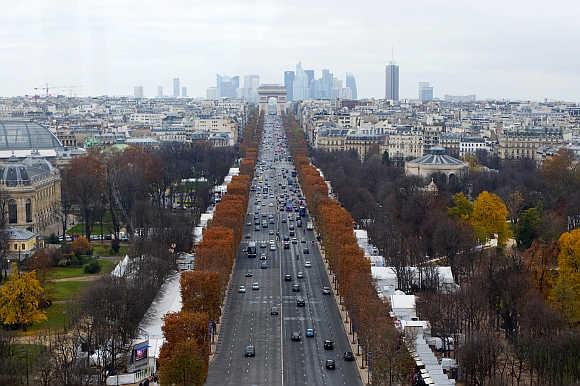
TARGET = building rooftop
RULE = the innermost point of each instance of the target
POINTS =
(437, 156)
(22, 138)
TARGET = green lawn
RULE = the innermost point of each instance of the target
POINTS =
(56, 315)
(105, 249)
(79, 229)
(107, 266)
(65, 290)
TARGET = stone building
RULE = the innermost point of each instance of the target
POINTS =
(437, 162)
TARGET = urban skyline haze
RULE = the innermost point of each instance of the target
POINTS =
(516, 50)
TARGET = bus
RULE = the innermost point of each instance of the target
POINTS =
(251, 250)
(302, 211)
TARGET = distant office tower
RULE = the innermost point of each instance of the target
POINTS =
(326, 84)
(250, 90)
(211, 93)
(184, 92)
(310, 76)
(138, 91)
(289, 84)
(351, 84)
(425, 92)
(392, 81)
(300, 84)
(336, 89)
(176, 87)
(227, 87)
(159, 91)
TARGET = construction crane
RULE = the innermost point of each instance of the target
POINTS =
(47, 89)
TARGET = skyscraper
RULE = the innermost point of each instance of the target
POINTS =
(300, 84)
(392, 81)
(184, 92)
(425, 92)
(159, 91)
(310, 76)
(176, 88)
(289, 84)
(250, 90)
(326, 84)
(351, 84)
(227, 87)
(138, 91)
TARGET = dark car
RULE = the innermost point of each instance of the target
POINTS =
(348, 356)
(300, 302)
(264, 265)
(296, 336)
(295, 287)
(329, 344)
(274, 311)
(306, 251)
(287, 277)
(250, 351)
(330, 364)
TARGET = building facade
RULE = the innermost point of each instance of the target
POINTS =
(392, 81)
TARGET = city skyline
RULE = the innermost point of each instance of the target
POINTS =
(463, 50)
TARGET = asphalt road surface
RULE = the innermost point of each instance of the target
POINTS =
(248, 318)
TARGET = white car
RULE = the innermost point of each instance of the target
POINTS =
(242, 289)
(272, 247)
(307, 264)
(255, 286)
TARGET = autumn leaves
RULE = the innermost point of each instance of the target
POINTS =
(185, 355)
(370, 319)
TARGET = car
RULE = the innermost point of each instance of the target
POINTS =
(295, 287)
(274, 310)
(296, 336)
(263, 244)
(263, 256)
(294, 240)
(249, 223)
(348, 356)
(306, 251)
(286, 244)
(291, 227)
(249, 274)
(300, 275)
(326, 290)
(255, 286)
(307, 264)
(287, 277)
(242, 289)
(310, 333)
(264, 265)
(300, 302)
(271, 204)
(250, 351)
(330, 364)
(257, 228)
(247, 236)
(299, 223)
(272, 247)
(271, 232)
(284, 221)
(292, 234)
(329, 344)
(272, 221)
(303, 241)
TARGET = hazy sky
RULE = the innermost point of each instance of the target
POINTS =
(525, 49)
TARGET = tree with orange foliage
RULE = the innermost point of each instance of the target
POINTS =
(187, 325)
(182, 363)
(81, 246)
(201, 292)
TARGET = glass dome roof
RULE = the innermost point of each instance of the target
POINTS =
(23, 135)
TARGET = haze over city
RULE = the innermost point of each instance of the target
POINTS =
(494, 49)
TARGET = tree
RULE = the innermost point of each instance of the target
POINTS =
(81, 246)
(462, 208)
(489, 217)
(566, 291)
(20, 299)
(527, 228)
(182, 363)
(201, 292)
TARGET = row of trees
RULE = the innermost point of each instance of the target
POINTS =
(512, 302)
(352, 273)
(135, 189)
(185, 354)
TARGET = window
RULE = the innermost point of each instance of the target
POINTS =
(23, 246)
(12, 212)
(28, 210)
(15, 247)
